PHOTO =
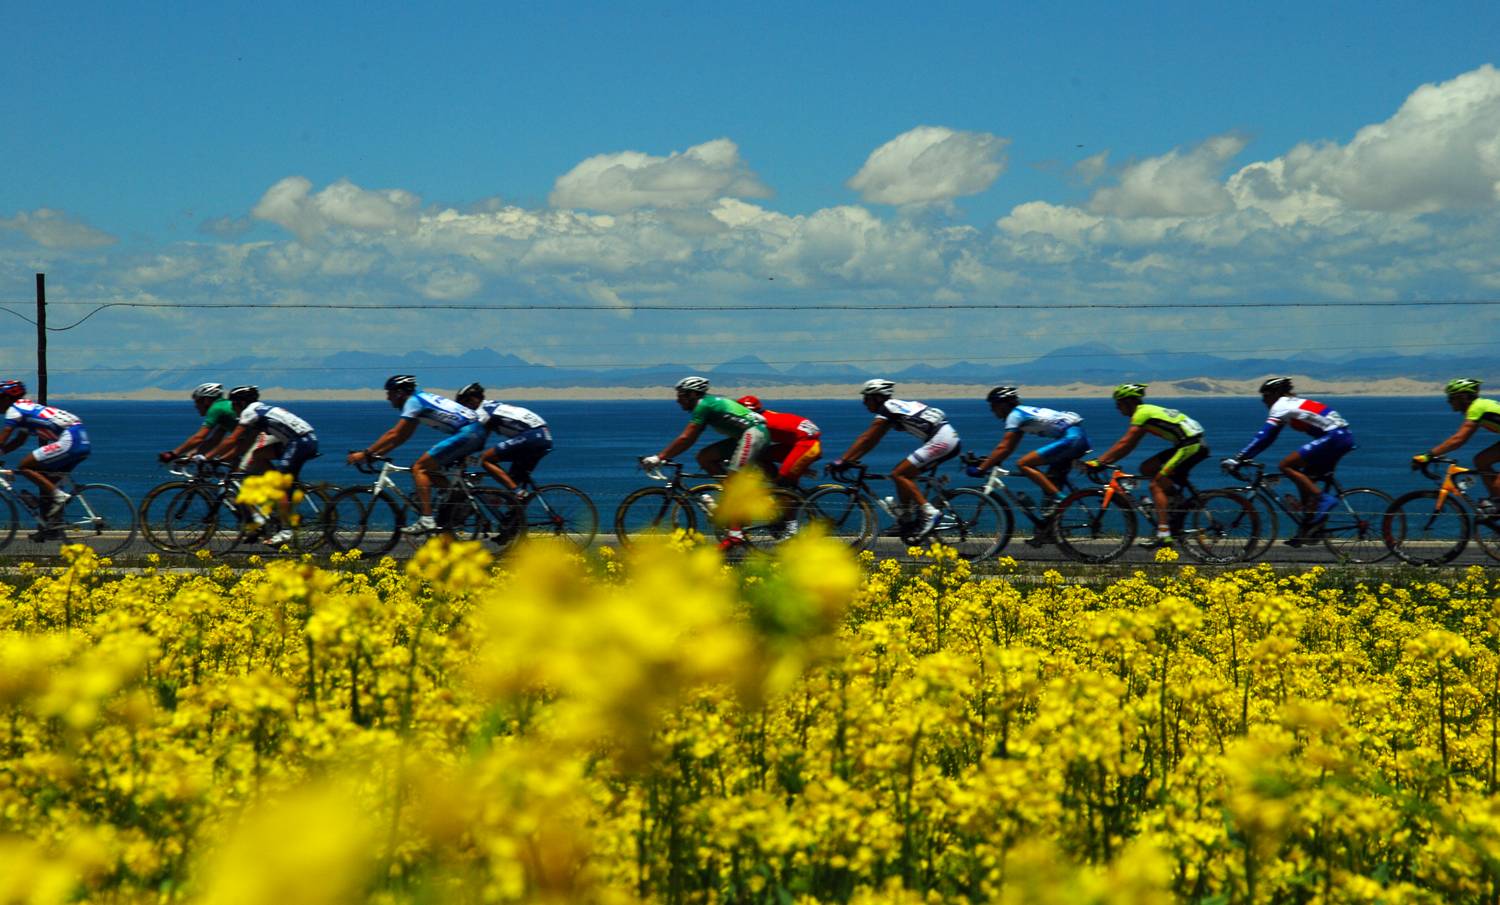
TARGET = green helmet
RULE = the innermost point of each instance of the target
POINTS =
(1130, 391)
(1461, 385)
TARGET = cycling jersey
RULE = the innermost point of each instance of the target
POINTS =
(274, 420)
(1304, 415)
(438, 412)
(1486, 412)
(1168, 424)
(220, 416)
(1050, 423)
(916, 418)
(43, 421)
(508, 420)
(726, 416)
(787, 428)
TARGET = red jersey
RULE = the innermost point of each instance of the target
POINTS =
(787, 428)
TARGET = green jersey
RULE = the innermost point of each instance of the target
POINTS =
(726, 416)
(220, 416)
(1486, 412)
(1168, 424)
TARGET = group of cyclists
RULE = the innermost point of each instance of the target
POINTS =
(240, 430)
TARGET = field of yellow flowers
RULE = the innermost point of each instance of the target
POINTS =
(659, 726)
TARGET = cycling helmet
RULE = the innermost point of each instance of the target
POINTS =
(244, 394)
(877, 387)
(1277, 385)
(1130, 391)
(473, 389)
(750, 402)
(1461, 385)
(692, 385)
(209, 391)
(400, 382)
(12, 389)
(1000, 393)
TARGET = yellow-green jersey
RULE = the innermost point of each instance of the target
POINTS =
(1169, 424)
(1486, 412)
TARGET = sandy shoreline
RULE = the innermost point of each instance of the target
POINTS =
(1165, 389)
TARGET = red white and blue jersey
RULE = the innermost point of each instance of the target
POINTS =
(1305, 415)
(46, 422)
(438, 412)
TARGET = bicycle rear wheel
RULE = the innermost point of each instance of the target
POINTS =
(1219, 526)
(1270, 524)
(561, 511)
(972, 524)
(781, 526)
(1424, 533)
(1352, 531)
(652, 510)
(1089, 530)
(190, 517)
(99, 516)
(491, 515)
(845, 514)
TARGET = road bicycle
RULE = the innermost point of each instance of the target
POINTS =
(1352, 531)
(1019, 501)
(376, 519)
(969, 521)
(99, 516)
(671, 505)
(540, 510)
(1098, 524)
(1432, 527)
(198, 512)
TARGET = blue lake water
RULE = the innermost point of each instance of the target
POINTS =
(598, 442)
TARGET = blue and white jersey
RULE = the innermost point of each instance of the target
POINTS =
(438, 412)
(1049, 423)
(274, 420)
(916, 418)
(46, 422)
(508, 420)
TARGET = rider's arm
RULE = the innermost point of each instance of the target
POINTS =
(1261, 440)
(685, 440)
(231, 446)
(1459, 438)
(867, 440)
(202, 441)
(388, 441)
(10, 439)
(1123, 446)
(1004, 448)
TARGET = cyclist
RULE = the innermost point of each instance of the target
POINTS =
(218, 420)
(1331, 440)
(1064, 431)
(795, 443)
(745, 436)
(465, 437)
(1463, 396)
(64, 443)
(288, 445)
(940, 442)
(524, 437)
(1168, 469)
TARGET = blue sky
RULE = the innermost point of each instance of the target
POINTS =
(624, 154)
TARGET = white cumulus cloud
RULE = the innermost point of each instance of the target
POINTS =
(1176, 184)
(630, 180)
(930, 165)
(55, 229)
(342, 205)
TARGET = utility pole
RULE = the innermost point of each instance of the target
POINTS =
(41, 338)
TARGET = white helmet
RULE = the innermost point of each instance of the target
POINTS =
(692, 385)
(208, 391)
(878, 387)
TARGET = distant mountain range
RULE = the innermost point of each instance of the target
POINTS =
(1092, 363)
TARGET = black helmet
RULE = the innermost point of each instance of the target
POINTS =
(1000, 393)
(244, 394)
(473, 389)
(1277, 385)
(400, 382)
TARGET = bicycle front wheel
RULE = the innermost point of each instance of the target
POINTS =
(489, 513)
(1219, 527)
(1423, 531)
(151, 516)
(189, 518)
(1352, 531)
(1270, 524)
(1091, 530)
(845, 514)
(972, 524)
(652, 510)
(561, 511)
(369, 524)
(99, 516)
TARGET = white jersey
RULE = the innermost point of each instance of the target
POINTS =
(508, 420)
(438, 412)
(1305, 415)
(274, 420)
(916, 418)
(1049, 423)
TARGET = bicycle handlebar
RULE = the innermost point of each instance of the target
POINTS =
(1426, 467)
